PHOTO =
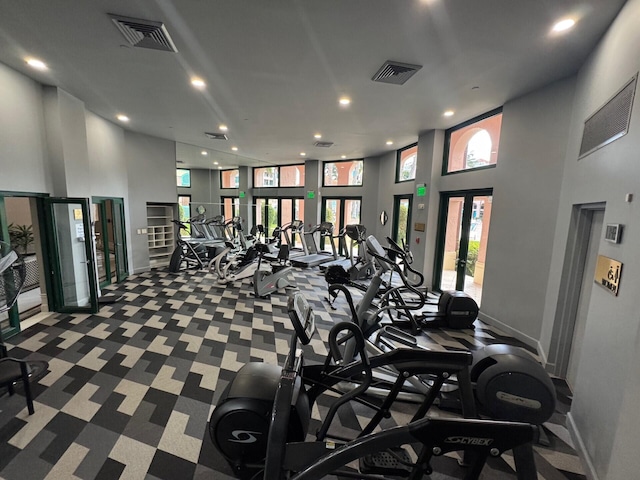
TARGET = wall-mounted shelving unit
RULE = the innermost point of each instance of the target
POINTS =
(160, 233)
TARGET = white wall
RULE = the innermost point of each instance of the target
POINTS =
(22, 139)
(604, 413)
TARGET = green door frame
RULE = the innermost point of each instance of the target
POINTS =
(396, 215)
(463, 247)
(14, 314)
(57, 296)
(120, 250)
(341, 213)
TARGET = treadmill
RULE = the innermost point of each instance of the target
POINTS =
(316, 257)
(357, 235)
(289, 233)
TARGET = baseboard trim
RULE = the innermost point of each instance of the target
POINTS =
(517, 334)
(579, 446)
(141, 270)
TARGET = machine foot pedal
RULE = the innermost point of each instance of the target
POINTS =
(384, 463)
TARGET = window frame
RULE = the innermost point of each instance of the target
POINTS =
(447, 142)
(185, 170)
(398, 161)
(229, 170)
(278, 167)
(324, 163)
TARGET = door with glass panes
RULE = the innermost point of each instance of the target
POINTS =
(340, 211)
(462, 241)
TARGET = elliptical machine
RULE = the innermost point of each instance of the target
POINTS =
(262, 418)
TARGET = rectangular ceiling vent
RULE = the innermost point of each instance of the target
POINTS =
(396, 73)
(323, 144)
(216, 136)
(610, 122)
(144, 33)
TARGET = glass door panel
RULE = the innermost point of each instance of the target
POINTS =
(259, 212)
(74, 278)
(99, 232)
(271, 215)
(453, 230)
(333, 214)
(402, 219)
(122, 267)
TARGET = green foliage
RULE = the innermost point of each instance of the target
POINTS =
(21, 236)
(403, 215)
(472, 257)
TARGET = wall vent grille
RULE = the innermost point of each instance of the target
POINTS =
(216, 136)
(323, 144)
(144, 33)
(609, 122)
(396, 73)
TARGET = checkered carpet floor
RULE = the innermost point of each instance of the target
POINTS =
(129, 390)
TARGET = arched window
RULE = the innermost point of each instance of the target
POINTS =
(473, 144)
(478, 152)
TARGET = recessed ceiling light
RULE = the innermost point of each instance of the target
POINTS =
(235, 149)
(198, 82)
(564, 25)
(215, 163)
(204, 152)
(448, 113)
(123, 118)
(389, 142)
(37, 64)
(317, 136)
(302, 154)
(222, 127)
(343, 156)
(344, 101)
(219, 168)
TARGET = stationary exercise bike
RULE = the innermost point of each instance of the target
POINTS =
(279, 274)
(263, 416)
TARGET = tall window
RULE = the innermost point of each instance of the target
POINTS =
(183, 177)
(406, 163)
(279, 176)
(229, 178)
(473, 144)
(342, 174)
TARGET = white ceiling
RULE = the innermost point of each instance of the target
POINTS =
(275, 68)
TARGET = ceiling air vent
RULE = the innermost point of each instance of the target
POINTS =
(144, 33)
(610, 122)
(395, 72)
(216, 136)
(323, 144)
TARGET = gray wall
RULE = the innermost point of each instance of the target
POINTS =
(23, 154)
(526, 190)
(604, 414)
(151, 170)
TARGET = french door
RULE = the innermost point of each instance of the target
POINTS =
(70, 247)
(110, 241)
(463, 230)
(402, 218)
(340, 211)
(274, 212)
(230, 207)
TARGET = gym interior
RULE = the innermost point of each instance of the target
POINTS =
(518, 191)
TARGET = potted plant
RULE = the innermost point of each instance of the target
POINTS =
(21, 236)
